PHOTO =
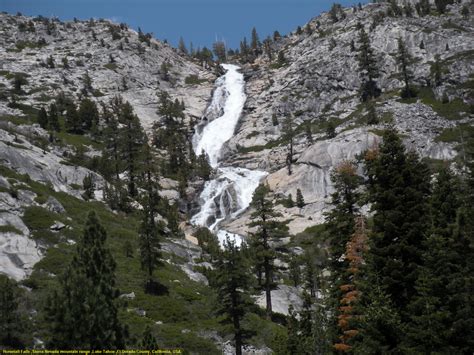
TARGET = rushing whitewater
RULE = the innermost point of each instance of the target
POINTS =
(219, 131)
(230, 193)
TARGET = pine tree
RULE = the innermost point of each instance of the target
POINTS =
(148, 341)
(233, 285)
(182, 46)
(404, 59)
(88, 186)
(444, 300)
(50, 62)
(71, 120)
(219, 50)
(132, 140)
(113, 148)
(372, 118)
(88, 115)
(82, 313)
(339, 228)
(436, 71)
(399, 186)
(150, 234)
(53, 119)
(299, 199)
(10, 322)
(267, 228)
(255, 44)
(288, 136)
(347, 318)
(330, 130)
(19, 79)
(42, 118)
(367, 67)
(203, 167)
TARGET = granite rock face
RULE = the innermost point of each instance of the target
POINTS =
(321, 82)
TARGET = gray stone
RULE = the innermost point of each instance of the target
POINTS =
(53, 205)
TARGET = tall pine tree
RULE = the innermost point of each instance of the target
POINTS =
(83, 313)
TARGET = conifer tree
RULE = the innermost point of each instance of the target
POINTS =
(347, 318)
(367, 67)
(71, 120)
(443, 298)
(150, 234)
(255, 44)
(339, 228)
(372, 117)
(112, 151)
(88, 114)
(233, 285)
(42, 118)
(219, 50)
(133, 140)
(82, 313)
(404, 59)
(10, 321)
(288, 136)
(267, 228)
(299, 199)
(399, 186)
(148, 341)
(53, 119)
(182, 46)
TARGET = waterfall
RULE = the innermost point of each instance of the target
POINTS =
(230, 193)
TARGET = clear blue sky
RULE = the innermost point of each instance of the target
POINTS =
(199, 21)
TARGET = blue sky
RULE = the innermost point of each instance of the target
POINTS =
(197, 21)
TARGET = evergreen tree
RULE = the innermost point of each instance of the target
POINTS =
(50, 62)
(182, 46)
(148, 341)
(339, 228)
(42, 118)
(113, 148)
(267, 228)
(288, 136)
(398, 186)
(219, 50)
(71, 120)
(233, 285)
(367, 67)
(372, 118)
(133, 141)
(10, 322)
(299, 199)
(255, 44)
(82, 314)
(281, 59)
(347, 318)
(53, 119)
(88, 186)
(404, 59)
(444, 300)
(19, 79)
(150, 234)
(436, 71)
(204, 168)
(88, 114)
(330, 130)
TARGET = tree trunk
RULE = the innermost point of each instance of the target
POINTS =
(268, 282)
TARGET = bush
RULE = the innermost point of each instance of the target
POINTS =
(193, 79)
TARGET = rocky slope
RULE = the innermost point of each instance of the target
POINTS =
(320, 83)
(55, 58)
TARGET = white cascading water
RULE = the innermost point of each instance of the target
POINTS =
(230, 193)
